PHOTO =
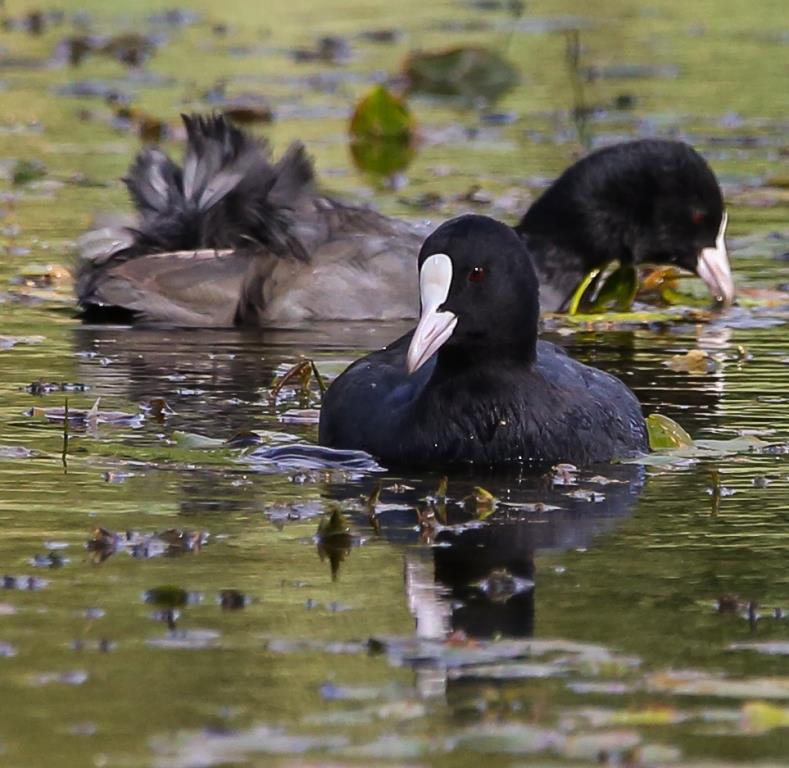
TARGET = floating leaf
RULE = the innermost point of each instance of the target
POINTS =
(760, 717)
(469, 72)
(484, 500)
(381, 115)
(332, 526)
(694, 361)
(500, 585)
(666, 433)
(385, 35)
(16, 452)
(658, 715)
(131, 48)
(685, 455)
(382, 133)
(152, 130)
(659, 278)
(23, 583)
(25, 171)
(663, 283)
(232, 600)
(75, 48)
(179, 541)
(618, 321)
(168, 597)
(382, 158)
(334, 540)
(103, 542)
(371, 504)
(73, 677)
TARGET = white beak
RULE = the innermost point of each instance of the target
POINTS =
(434, 327)
(714, 269)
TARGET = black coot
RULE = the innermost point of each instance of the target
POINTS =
(650, 201)
(472, 383)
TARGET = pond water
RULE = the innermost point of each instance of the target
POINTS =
(171, 600)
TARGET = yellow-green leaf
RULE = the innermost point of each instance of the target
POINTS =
(759, 717)
(381, 115)
(382, 133)
(666, 433)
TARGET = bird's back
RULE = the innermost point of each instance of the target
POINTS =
(221, 239)
(555, 410)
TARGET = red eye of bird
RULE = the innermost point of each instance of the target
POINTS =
(477, 275)
(697, 216)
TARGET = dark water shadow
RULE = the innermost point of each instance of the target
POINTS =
(478, 576)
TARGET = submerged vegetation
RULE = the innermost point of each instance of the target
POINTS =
(187, 580)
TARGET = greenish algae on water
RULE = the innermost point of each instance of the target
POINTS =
(641, 607)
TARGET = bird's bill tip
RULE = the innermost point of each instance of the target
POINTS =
(714, 268)
(432, 332)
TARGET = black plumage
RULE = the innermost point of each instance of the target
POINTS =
(483, 388)
(650, 201)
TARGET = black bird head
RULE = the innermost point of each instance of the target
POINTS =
(479, 294)
(650, 201)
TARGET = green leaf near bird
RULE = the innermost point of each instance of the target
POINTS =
(382, 133)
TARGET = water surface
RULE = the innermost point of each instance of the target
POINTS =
(629, 614)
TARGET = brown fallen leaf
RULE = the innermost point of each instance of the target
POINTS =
(656, 278)
(695, 361)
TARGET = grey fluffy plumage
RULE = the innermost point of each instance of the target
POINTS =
(228, 194)
(212, 236)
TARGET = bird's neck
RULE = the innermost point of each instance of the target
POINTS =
(454, 360)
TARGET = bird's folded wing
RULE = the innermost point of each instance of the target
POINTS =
(194, 288)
